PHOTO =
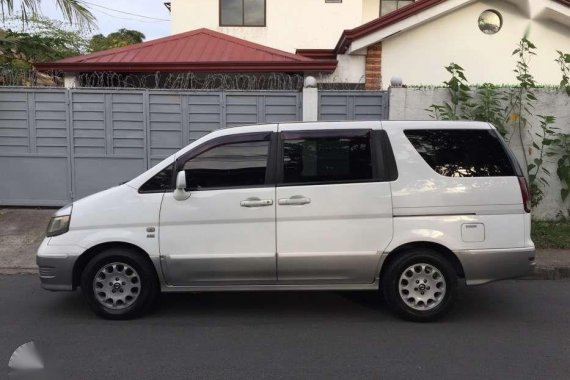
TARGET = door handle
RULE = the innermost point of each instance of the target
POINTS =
(256, 202)
(296, 200)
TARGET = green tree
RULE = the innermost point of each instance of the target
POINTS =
(120, 38)
(74, 11)
(40, 40)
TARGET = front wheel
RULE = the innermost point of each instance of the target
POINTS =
(119, 284)
(420, 285)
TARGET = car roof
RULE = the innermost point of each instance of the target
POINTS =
(435, 124)
(384, 124)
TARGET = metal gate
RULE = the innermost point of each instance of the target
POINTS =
(57, 145)
(353, 105)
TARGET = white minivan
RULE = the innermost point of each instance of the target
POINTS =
(407, 208)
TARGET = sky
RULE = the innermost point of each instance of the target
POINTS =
(109, 21)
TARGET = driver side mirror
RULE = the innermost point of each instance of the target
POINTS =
(180, 193)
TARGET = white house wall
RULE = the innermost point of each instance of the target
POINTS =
(419, 55)
(291, 24)
(370, 10)
(350, 69)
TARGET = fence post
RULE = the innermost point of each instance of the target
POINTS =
(70, 80)
(397, 103)
(310, 100)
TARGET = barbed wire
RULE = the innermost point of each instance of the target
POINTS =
(13, 77)
(336, 83)
(193, 81)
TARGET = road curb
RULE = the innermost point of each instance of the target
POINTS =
(549, 273)
(17, 270)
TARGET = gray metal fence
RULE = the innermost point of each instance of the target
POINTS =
(353, 105)
(57, 145)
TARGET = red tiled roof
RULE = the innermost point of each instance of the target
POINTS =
(200, 50)
(391, 18)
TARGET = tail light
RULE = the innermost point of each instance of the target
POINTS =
(525, 193)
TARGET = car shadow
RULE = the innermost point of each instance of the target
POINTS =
(473, 303)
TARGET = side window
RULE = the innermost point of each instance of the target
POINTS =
(240, 164)
(327, 159)
(242, 12)
(462, 153)
(161, 181)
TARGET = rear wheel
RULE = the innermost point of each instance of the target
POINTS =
(119, 284)
(420, 285)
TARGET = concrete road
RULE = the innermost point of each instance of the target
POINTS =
(507, 330)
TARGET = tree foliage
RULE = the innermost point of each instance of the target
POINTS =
(74, 11)
(120, 38)
(40, 40)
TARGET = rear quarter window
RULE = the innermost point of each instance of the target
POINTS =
(462, 152)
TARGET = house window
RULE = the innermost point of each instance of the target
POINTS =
(242, 12)
(387, 6)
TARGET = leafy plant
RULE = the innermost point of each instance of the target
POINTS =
(74, 11)
(458, 89)
(537, 172)
(521, 99)
(561, 149)
(488, 107)
(484, 105)
(564, 61)
(40, 40)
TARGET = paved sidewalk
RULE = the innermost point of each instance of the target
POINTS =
(552, 264)
(22, 231)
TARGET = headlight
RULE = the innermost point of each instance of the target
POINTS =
(58, 225)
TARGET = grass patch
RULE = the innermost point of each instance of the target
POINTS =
(551, 234)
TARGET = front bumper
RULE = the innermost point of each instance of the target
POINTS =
(486, 265)
(56, 265)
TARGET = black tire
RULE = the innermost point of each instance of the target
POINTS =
(394, 275)
(144, 272)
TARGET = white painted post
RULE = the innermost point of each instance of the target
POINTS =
(70, 80)
(397, 103)
(310, 100)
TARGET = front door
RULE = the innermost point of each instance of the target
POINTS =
(334, 211)
(224, 233)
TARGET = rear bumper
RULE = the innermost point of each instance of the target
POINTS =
(55, 265)
(483, 266)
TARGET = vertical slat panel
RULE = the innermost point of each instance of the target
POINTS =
(109, 138)
(165, 124)
(34, 163)
(205, 114)
(185, 120)
(32, 122)
(241, 109)
(353, 105)
(60, 144)
(14, 128)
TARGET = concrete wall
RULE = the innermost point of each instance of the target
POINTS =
(291, 24)
(411, 104)
(350, 69)
(419, 55)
